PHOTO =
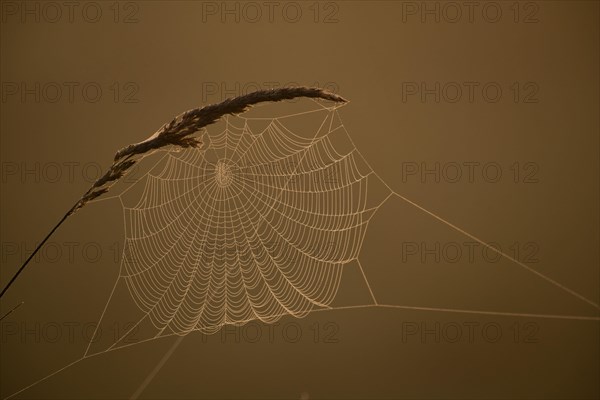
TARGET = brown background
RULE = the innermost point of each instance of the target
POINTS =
(366, 51)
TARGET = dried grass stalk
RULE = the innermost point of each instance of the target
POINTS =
(179, 131)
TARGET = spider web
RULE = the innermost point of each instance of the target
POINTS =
(257, 224)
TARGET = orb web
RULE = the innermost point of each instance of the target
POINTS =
(257, 224)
